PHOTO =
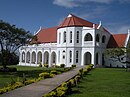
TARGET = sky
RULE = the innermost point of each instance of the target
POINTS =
(33, 14)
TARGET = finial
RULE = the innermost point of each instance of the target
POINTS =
(100, 23)
(93, 25)
(70, 15)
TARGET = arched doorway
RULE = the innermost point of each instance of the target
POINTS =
(87, 58)
(46, 57)
(28, 57)
(103, 61)
(39, 57)
(23, 56)
(53, 58)
(97, 56)
(33, 57)
(97, 38)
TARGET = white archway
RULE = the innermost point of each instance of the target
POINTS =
(33, 57)
(87, 58)
(53, 58)
(23, 56)
(39, 57)
(46, 58)
(28, 57)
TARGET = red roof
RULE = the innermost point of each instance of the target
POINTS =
(73, 20)
(117, 40)
(48, 35)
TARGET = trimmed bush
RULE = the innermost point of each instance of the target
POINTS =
(62, 65)
(40, 65)
(46, 65)
(73, 65)
(44, 75)
(30, 82)
(54, 72)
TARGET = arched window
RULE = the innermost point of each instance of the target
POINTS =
(97, 38)
(103, 39)
(59, 37)
(77, 56)
(63, 54)
(70, 36)
(88, 37)
(77, 39)
(70, 54)
(64, 37)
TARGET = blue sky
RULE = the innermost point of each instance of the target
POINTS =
(31, 14)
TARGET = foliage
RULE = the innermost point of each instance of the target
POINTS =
(54, 72)
(40, 65)
(46, 65)
(115, 53)
(11, 38)
(62, 65)
(73, 65)
(44, 75)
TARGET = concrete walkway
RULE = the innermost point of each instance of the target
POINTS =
(42, 87)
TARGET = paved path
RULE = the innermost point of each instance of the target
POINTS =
(42, 87)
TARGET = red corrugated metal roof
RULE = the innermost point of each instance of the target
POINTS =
(117, 40)
(73, 20)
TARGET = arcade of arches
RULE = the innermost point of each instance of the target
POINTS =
(38, 58)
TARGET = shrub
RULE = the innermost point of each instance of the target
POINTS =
(85, 71)
(29, 81)
(57, 66)
(54, 72)
(3, 90)
(60, 93)
(73, 83)
(40, 65)
(44, 75)
(52, 75)
(46, 65)
(62, 65)
(73, 65)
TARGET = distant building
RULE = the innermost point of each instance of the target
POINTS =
(74, 41)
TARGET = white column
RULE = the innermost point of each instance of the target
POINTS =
(30, 58)
(49, 63)
(43, 57)
(20, 58)
(25, 56)
(36, 57)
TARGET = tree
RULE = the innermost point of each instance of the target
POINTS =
(11, 38)
(116, 54)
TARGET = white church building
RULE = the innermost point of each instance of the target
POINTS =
(74, 41)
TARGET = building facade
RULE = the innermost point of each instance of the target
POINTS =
(74, 41)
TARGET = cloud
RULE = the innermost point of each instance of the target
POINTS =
(66, 3)
(77, 3)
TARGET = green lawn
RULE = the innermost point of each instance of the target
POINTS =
(30, 73)
(104, 82)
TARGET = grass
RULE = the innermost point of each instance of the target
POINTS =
(30, 73)
(104, 82)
